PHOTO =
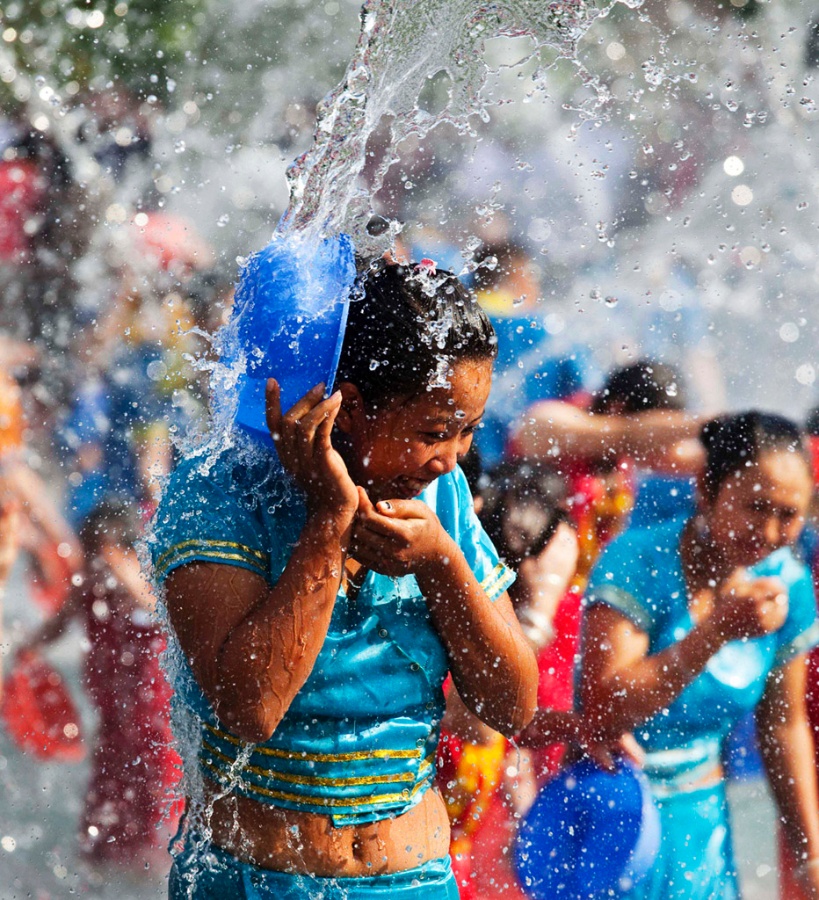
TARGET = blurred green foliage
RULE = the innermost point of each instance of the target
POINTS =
(89, 43)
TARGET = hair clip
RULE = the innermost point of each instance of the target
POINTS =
(427, 267)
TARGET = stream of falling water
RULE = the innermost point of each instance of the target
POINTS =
(402, 45)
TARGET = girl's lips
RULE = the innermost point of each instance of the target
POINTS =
(407, 488)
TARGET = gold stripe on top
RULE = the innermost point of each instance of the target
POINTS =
(212, 554)
(494, 575)
(500, 584)
(312, 780)
(498, 576)
(313, 800)
(318, 757)
(200, 543)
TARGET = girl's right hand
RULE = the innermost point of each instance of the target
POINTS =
(748, 608)
(302, 440)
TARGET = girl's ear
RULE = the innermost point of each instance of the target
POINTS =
(352, 407)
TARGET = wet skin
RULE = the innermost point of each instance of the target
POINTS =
(254, 652)
(761, 509)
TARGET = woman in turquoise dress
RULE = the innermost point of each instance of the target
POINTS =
(320, 594)
(693, 623)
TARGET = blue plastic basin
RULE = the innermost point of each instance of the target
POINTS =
(589, 834)
(288, 322)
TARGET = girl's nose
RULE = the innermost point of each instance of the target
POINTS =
(445, 459)
(773, 532)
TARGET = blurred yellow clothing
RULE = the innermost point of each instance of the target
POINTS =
(477, 776)
(504, 302)
(12, 422)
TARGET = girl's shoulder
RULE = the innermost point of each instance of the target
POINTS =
(652, 548)
(236, 506)
(639, 574)
(244, 472)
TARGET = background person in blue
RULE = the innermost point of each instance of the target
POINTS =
(694, 622)
(321, 607)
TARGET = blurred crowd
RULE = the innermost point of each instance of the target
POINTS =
(104, 373)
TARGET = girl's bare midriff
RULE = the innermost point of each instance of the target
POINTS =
(308, 843)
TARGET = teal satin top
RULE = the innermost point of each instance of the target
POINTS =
(358, 741)
(640, 574)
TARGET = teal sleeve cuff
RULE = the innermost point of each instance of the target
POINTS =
(803, 642)
(623, 602)
(498, 581)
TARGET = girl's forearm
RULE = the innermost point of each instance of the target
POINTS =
(635, 693)
(549, 726)
(492, 665)
(269, 655)
(787, 751)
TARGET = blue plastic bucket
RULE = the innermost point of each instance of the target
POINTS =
(288, 322)
(589, 834)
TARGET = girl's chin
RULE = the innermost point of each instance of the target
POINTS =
(750, 556)
(406, 488)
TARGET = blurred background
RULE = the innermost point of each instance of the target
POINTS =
(656, 196)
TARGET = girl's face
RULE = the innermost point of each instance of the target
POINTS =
(397, 451)
(761, 508)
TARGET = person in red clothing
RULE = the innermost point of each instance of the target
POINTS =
(129, 806)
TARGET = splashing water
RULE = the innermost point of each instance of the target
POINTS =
(401, 47)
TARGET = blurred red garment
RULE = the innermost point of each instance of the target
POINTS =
(172, 240)
(556, 665)
(134, 766)
(491, 846)
(22, 188)
(788, 887)
(38, 712)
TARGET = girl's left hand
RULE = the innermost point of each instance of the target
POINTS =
(398, 537)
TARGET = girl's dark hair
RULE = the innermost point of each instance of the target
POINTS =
(737, 440)
(404, 324)
(639, 387)
(516, 481)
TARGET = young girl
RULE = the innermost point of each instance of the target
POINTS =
(692, 624)
(320, 596)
